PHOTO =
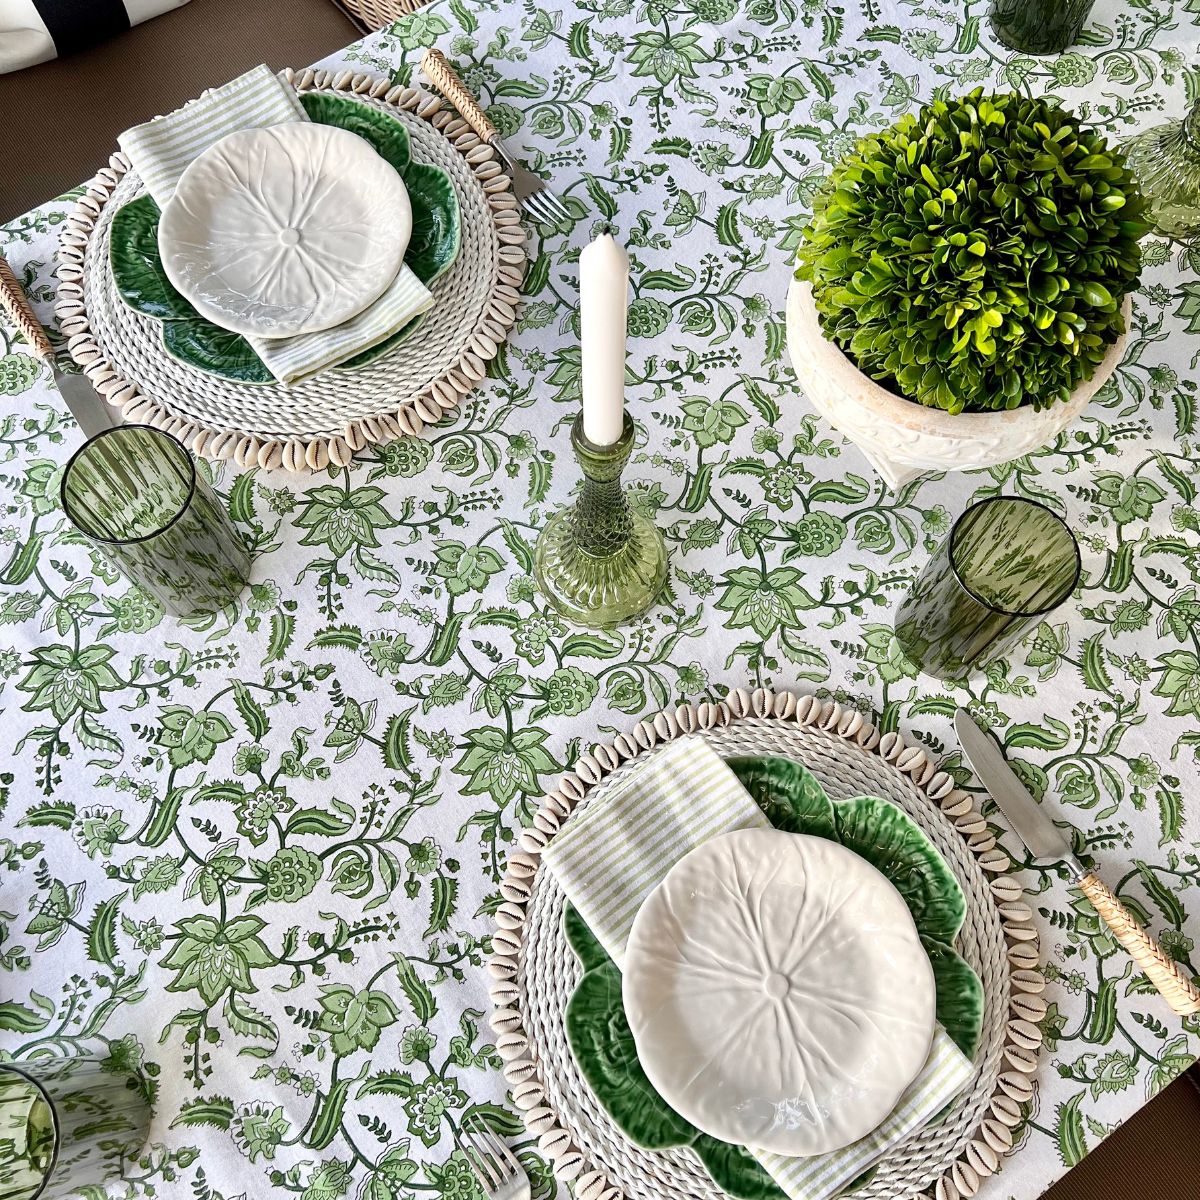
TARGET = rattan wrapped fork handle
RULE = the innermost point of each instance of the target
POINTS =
(16, 304)
(1178, 990)
(445, 78)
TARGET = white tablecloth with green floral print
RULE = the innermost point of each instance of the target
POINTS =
(257, 853)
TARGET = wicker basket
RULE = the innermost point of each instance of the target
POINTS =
(378, 14)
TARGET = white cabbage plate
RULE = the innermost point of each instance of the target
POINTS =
(778, 992)
(285, 230)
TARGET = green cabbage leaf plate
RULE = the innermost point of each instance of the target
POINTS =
(143, 285)
(793, 800)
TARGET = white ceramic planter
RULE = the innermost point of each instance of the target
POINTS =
(902, 439)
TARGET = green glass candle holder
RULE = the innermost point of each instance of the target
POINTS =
(1039, 26)
(599, 563)
(1165, 161)
(1007, 563)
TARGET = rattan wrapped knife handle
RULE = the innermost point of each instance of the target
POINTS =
(16, 304)
(445, 78)
(1180, 993)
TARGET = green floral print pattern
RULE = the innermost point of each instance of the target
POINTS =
(258, 852)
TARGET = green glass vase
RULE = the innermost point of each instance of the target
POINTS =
(1165, 161)
(598, 562)
(1006, 564)
(135, 494)
(1039, 26)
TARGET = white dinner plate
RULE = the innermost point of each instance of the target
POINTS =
(778, 993)
(285, 230)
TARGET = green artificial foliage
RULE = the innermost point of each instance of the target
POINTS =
(975, 256)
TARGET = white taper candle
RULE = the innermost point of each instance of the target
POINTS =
(604, 308)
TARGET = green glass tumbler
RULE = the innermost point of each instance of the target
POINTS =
(1039, 26)
(135, 494)
(1007, 562)
(67, 1124)
(599, 563)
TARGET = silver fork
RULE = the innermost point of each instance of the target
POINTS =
(531, 191)
(496, 1167)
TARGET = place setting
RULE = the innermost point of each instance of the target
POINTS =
(251, 273)
(760, 949)
(282, 231)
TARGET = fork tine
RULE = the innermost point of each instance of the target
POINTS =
(564, 213)
(480, 1178)
(487, 1179)
(509, 1157)
(470, 1159)
(493, 1166)
(495, 1144)
(547, 208)
(535, 207)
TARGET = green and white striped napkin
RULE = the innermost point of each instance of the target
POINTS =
(614, 852)
(161, 149)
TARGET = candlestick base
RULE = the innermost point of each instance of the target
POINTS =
(599, 593)
(598, 563)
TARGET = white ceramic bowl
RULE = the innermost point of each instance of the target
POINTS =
(902, 439)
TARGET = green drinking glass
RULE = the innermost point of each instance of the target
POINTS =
(135, 494)
(1007, 562)
(1039, 26)
(67, 1124)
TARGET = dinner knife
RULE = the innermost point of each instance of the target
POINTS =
(87, 407)
(1047, 843)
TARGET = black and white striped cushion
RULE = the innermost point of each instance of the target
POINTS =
(33, 31)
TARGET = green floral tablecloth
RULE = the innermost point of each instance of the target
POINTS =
(256, 853)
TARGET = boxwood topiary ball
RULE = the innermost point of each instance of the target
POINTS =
(975, 256)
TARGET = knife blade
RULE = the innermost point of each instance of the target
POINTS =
(1031, 823)
(1047, 843)
(86, 405)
